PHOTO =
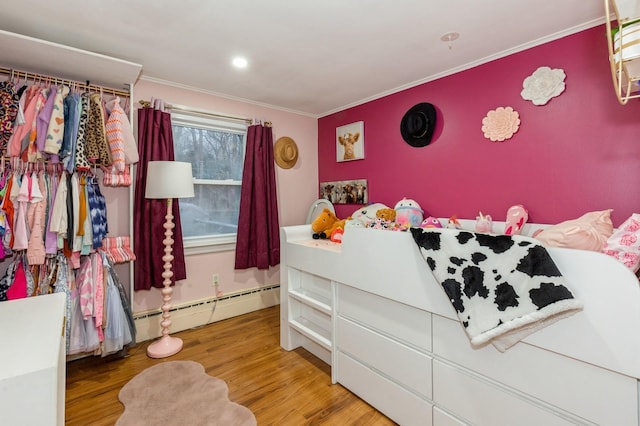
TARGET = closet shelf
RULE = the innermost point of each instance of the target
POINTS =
(44, 57)
(623, 42)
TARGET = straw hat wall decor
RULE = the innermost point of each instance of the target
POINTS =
(285, 152)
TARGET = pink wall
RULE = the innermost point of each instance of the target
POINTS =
(580, 152)
(296, 192)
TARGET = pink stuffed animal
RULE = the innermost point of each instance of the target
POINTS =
(431, 222)
(408, 213)
(484, 223)
(517, 216)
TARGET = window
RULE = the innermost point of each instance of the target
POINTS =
(215, 148)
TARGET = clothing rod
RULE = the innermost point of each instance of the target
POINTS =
(43, 77)
(146, 104)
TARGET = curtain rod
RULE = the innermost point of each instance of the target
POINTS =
(146, 104)
(88, 86)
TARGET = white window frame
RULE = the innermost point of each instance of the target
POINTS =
(225, 242)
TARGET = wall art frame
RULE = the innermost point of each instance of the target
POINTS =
(345, 191)
(350, 142)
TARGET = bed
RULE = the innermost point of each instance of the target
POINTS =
(372, 308)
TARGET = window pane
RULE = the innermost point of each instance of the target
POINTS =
(213, 211)
(214, 154)
(215, 148)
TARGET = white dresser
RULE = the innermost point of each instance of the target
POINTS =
(32, 361)
(371, 309)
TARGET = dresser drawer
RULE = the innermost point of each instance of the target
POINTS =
(608, 399)
(398, 404)
(404, 323)
(484, 404)
(402, 364)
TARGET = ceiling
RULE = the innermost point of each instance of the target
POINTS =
(312, 58)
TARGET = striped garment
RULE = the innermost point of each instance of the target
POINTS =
(115, 137)
(98, 213)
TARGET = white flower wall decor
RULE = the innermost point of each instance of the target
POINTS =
(545, 83)
(500, 124)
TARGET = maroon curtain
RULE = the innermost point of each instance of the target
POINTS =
(155, 142)
(258, 241)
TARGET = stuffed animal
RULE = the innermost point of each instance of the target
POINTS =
(408, 213)
(336, 235)
(517, 216)
(324, 225)
(431, 222)
(387, 214)
(484, 223)
(367, 214)
(453, 223)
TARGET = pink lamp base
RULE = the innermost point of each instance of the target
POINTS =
(164, 347)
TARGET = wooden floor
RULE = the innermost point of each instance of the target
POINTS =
(280, 387)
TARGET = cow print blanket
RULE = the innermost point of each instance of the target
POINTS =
(502, 287)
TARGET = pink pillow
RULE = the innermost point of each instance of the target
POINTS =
(589, 232)
(624, 244)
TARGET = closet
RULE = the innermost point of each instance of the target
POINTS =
(99, 87)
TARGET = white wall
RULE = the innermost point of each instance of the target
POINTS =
(297, 189)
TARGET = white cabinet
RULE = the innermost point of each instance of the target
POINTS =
(382, 354)
(32, 371)
(536, 376)
(371, 309)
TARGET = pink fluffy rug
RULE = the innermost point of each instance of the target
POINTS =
(179, 393)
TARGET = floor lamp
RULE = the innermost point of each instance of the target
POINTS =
(167, 180)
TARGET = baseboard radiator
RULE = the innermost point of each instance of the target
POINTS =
(201, 312)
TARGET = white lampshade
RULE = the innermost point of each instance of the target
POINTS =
(169, 179)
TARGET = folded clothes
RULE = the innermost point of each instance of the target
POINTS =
(118, 249)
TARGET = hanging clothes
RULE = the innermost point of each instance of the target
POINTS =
(122, 143)
(18, 288)
(71, 123)
(53, 216)
(21, 230)
(43, 119)
(58, 220)
(19, 140)
(55, 130)
(7, 280)
(59, 276)
(97, 146)
(7, 206)
(97, 213)
(120, 330)
(51, 238)
(9, 101)
(36, 217)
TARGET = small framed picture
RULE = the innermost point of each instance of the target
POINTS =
(345, 191)
(350, 142)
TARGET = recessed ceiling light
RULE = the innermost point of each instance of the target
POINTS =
(240, 62)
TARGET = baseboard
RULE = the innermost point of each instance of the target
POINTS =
(201, 312)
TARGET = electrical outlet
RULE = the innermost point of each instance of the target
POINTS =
(215, 280)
